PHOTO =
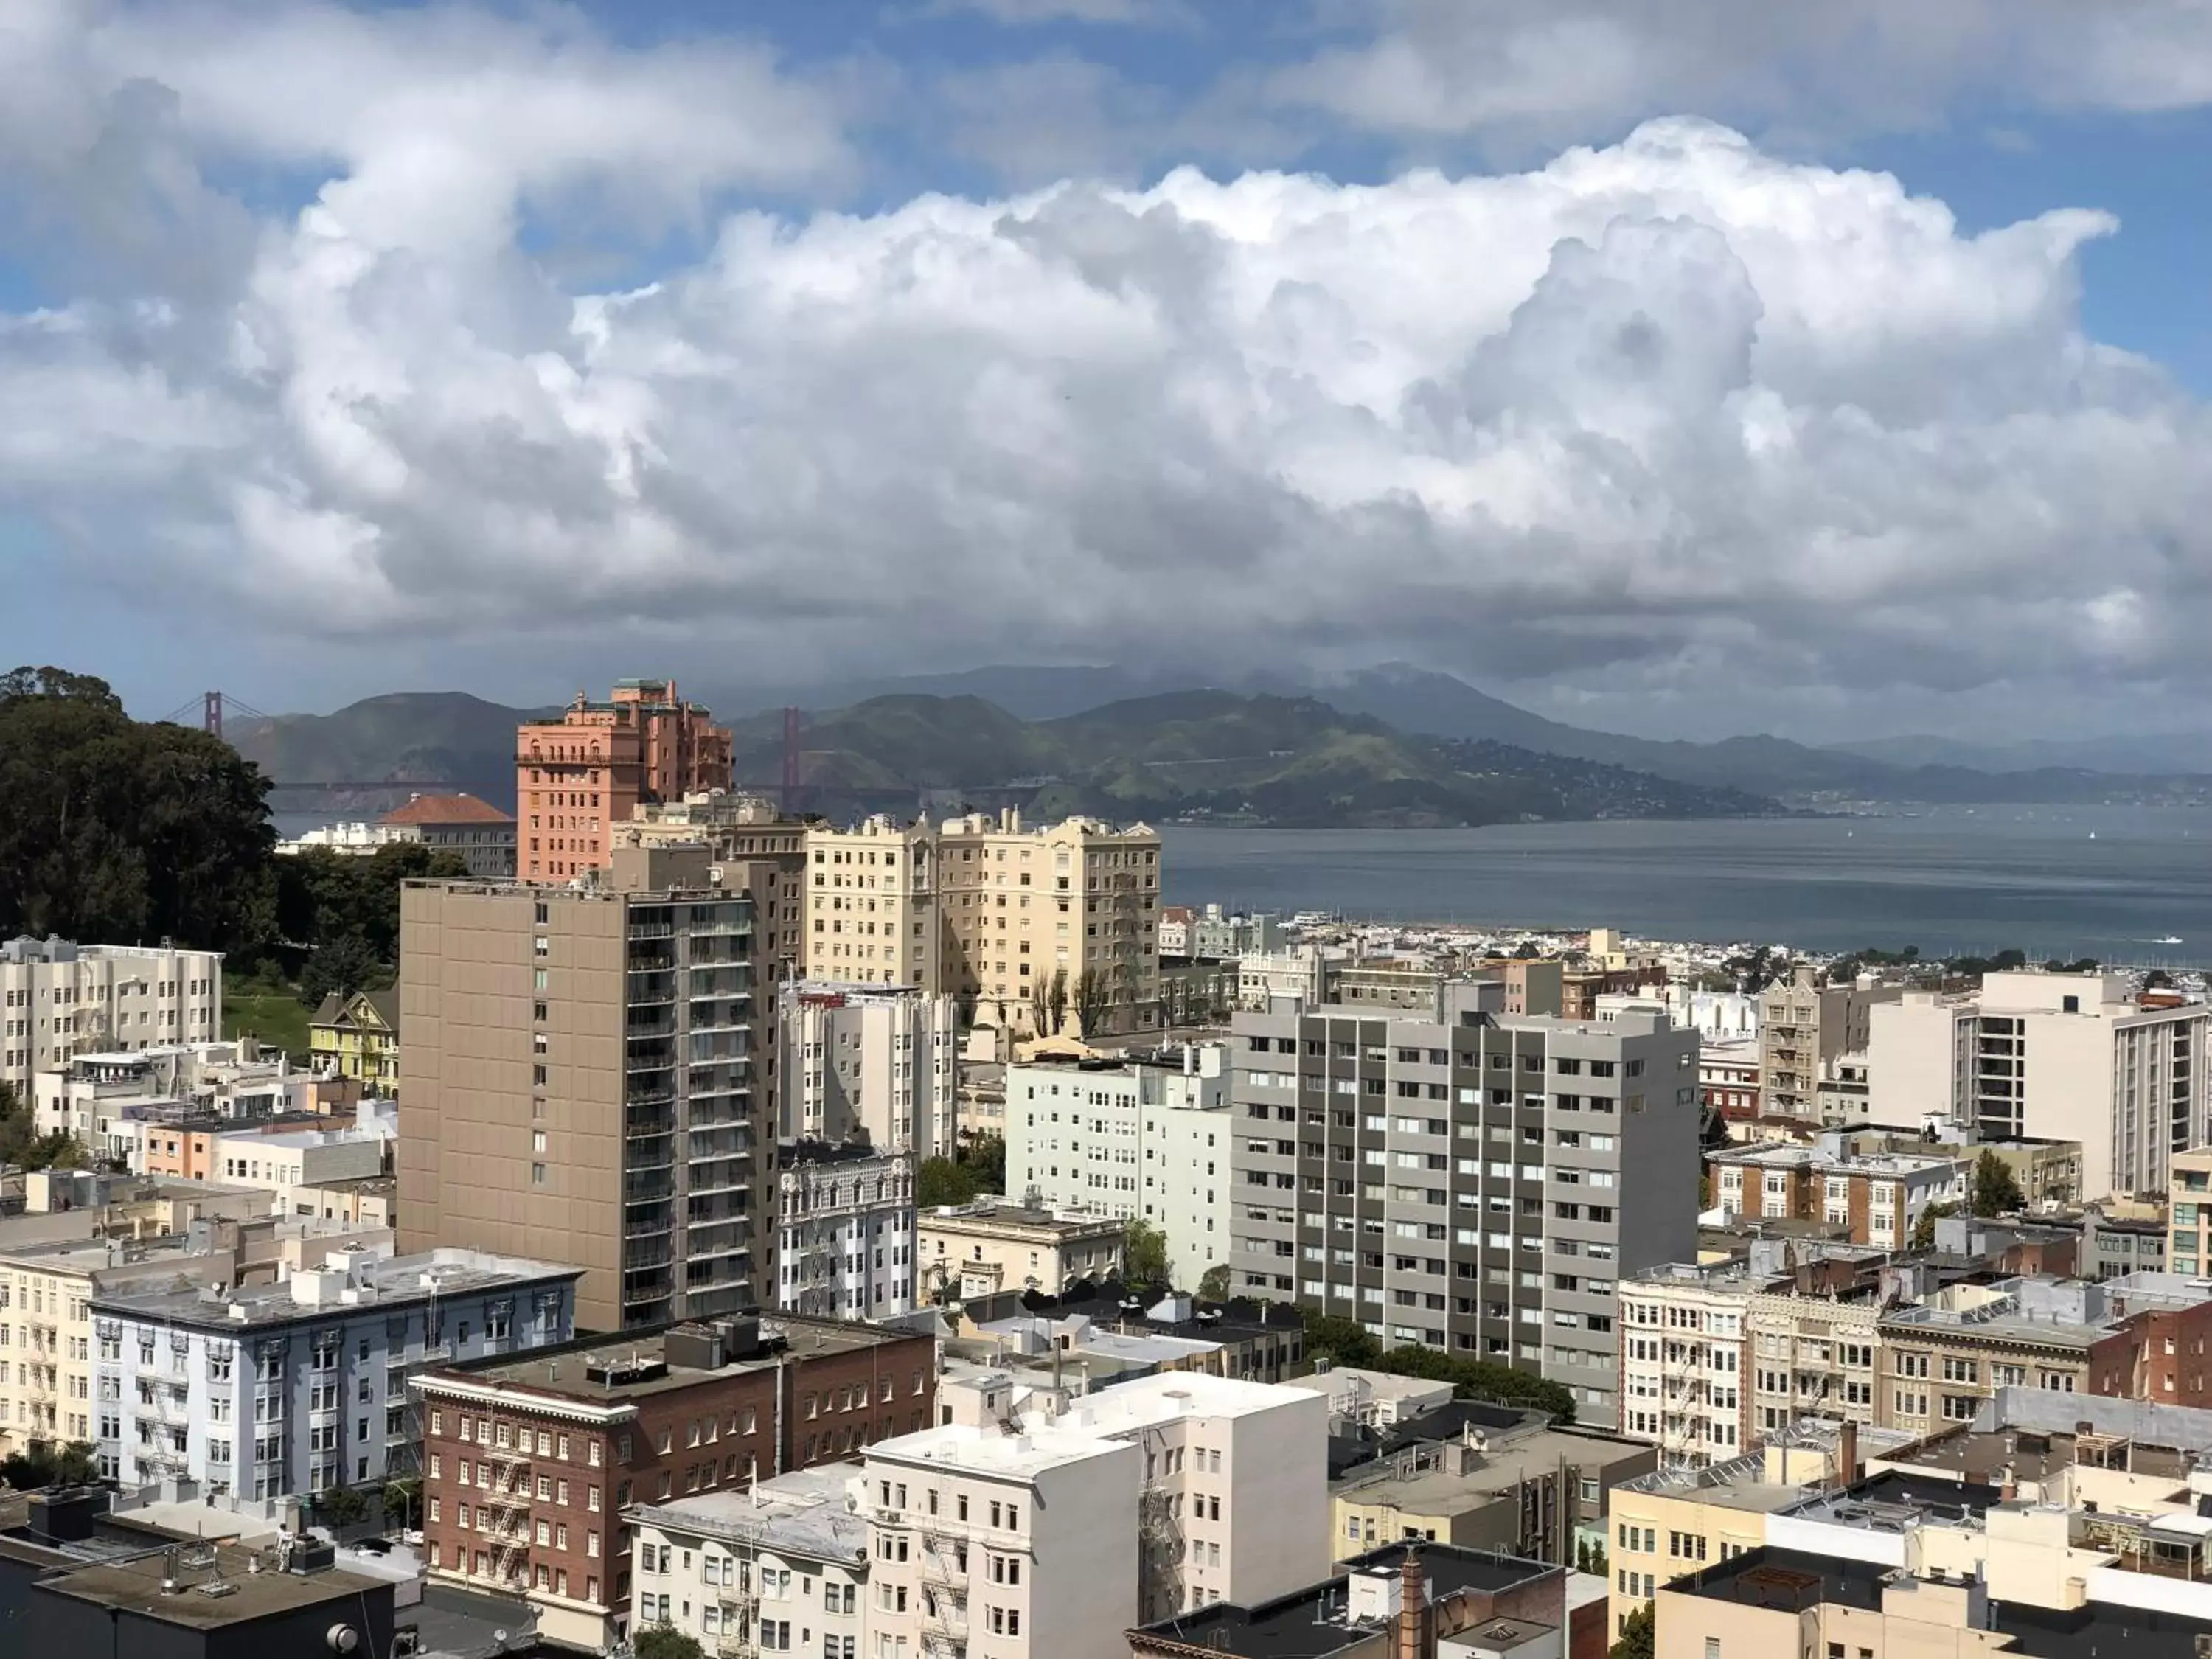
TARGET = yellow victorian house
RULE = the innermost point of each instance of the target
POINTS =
(357, 1035)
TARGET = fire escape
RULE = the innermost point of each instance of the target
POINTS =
(944, 1590)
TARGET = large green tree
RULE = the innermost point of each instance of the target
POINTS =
(1145, 1255)
(114, 829)
(1995, 1190)
(1638, 1629)
(666, 1642)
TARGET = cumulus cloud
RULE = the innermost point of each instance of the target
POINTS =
(1675, 411)
(1528, 71)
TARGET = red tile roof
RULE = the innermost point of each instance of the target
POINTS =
(447, 809)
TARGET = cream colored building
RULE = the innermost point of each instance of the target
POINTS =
(1023, 907)
(1812, 1356)
(750, 1570)
(1016, 1537)
(45, 1325)
(2052, 1057)
(993, 1245)
(878, 1060)
(872, 905)
(59, 999)
(1682, 1386)
(2189, 1213)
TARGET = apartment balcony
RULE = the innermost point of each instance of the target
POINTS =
(717, 1180)
(649, 1023)
(658, 1091)
(651, 925)
(640, 1256)
(645, 1152)
(650, 986)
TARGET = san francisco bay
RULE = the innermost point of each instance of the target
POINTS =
(2123, 883)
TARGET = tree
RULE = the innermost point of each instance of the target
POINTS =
(44, 1463)
(1995, 1190)
(402, 1498)
(1590, 1557)
(666, 1642)
(1637, 1630)
(1145, 1255)
(341, 1506)
(1923, 1230)
(1090, 996)
(1213, 1282)
(986, 1159)
(1343, 1340)
(939, 1180)
(22, 1146)
(111, 828)
(1055, 998)
(1040, 1008)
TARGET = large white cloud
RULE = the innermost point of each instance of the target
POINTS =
(1675, 405)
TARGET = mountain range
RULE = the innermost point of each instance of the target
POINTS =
(1392, 744)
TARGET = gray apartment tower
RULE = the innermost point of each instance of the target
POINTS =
(1468, 1181)
(590, 1077)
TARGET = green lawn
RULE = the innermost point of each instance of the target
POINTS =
(276, 1016)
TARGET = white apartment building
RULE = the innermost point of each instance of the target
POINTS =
(2052, 1057)
(1682, 1387)
(994, 1537)
(845, 1231)
(1263, 975)
(59, 999)
(233, 1079)
(269, 1391)
(1140, 1139)
(871, 906)
(781, 1567)
(867, 1060)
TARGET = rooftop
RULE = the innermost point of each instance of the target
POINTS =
(613, 1370)
(461, 808)
(1317, 1621)
(135, 1586)
(807, 1512)
(1792, 1581)
(991, 1214)
(363, 1281)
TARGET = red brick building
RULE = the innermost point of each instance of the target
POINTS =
(529, 1462)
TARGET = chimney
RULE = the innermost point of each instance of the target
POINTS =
(1413, 1609)
(1847, 1455)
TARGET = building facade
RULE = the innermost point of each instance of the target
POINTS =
(992, 1245)
(779, 1568)
(1460, 1181)
(58, 1001)
(845, 1216)
(1804, 1027)
(2053, 1057)
(872, 905)
(1015, 1538)
(577, 777)
(532, 1467)
(1143, 1140)
(588, 1077)
(356, 1034)
(475, 831)
(1879, 1196)
(271, 1391)
(878, 1061)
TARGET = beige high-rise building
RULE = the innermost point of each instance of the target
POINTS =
(2053, 1057)
(58, 1001)
(1075, 905)
(872, 915)
(590, 1077)
(1804, 1028)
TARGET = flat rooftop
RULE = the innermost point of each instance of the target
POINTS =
(804, 1513)
(394, 1282)
(1793, 1581)
(991, 1213)
(562, 1371)
(1314, 1622)
(135, 1586)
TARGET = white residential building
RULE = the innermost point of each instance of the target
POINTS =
(781, 1567)
(236, 1079)
(1265, 974)
(2052, 1057)
(59, 1000)
(1682, 1386)
(1140, 1139)
(304, 1157)
(1003, 1538)
(845, 1216)
(867, 1060)
(270, 1391)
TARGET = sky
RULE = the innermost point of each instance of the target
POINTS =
(1679, 367)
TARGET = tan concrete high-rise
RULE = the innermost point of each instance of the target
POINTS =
(591, 1079)
(872, 905)
(1022, 909)
(577, 777)
(1804, 1027)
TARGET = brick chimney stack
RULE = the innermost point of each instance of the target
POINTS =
(1412, 1610)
